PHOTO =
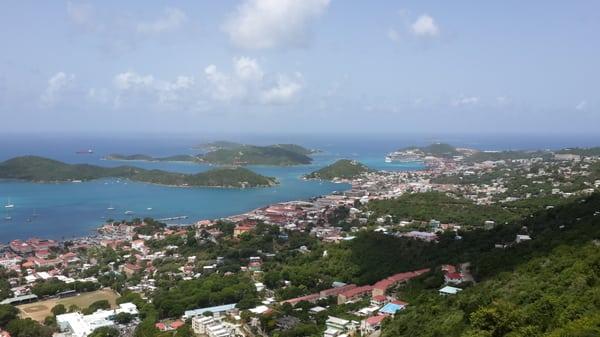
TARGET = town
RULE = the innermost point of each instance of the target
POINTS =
(252, 274)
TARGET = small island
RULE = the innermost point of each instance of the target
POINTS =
(39, 169)
(229, 153)
(143, 157)
(341, 169)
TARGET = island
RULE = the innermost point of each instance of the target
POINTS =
(230, 153)
(143, 157)
(40, 169)
(341, 169)
(227, 153)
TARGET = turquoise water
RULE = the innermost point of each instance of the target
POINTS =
(66, 210)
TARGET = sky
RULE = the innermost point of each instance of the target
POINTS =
(300, 66)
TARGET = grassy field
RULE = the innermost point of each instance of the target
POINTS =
(39, 310)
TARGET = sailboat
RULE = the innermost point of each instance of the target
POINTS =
(9, 204)
(110, 208)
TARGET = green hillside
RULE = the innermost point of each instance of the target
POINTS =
(39, 169)
(341, 169)
(544, 287)
(143, 157)
(257, 155)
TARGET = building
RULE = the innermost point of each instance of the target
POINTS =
(75, 324)
(335, 326)
(214, 310)
(212, 327)
(382, 286)
(448, 290)
(354, 293)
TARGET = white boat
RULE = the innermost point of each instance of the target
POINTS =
(388, 159)
(128, 212)
(9, 204)
(149, 208)
(8, 218)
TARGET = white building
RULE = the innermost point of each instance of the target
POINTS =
(337, 327)
(75, 324)
(212, 327)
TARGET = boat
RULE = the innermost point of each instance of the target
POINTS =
(8, 218)
(9, 204)
(149, 208)
(88, 151)
(129, 212)
(110, 208)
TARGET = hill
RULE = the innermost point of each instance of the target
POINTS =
(437, 150)
(277, 155)
(39, 169)
(544, 287)
(341, 169)
(143, 157)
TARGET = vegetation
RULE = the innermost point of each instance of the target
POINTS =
(587, 152)
(436, 150)
(212, 290)
(40, 169)
(341, 169)
(441, 207)
(143, 157)
(105, 331)
(278, 155)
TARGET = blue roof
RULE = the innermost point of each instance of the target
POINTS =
(218, 308)
(391, 308)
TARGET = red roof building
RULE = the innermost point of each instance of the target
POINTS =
(351, 294)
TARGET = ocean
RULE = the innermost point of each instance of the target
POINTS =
(65, 210)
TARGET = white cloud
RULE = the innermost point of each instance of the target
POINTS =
(425, 26)
(263, 24)
(57, 84)
(465, 101)
(131, 84)
(581, 106)
(283, 92)
(249, 83)
(172, 20)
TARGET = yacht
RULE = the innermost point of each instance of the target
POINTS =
(149, 208)
(9, 204)
(128, 212)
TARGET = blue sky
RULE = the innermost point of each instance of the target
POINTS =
(300, 66)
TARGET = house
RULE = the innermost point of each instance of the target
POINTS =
(521, 238)
(335, 326)
(130, 269)
(371, 324)
(382, 286)
(241, 229)
(448, 290)
(354, 293)
(379, 300)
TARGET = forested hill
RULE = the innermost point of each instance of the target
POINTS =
(545, 287)
(276, 155)
(143, 157)
(341, 169)
(39, 169)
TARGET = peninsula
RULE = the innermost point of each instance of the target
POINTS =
(341, 169)
(39, 169)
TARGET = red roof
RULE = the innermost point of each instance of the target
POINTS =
(356, 291)
(161, 326)
(454, 276)
(401, 277)
(398, 302)
(379, 298)
(177, 324)
(375, 320)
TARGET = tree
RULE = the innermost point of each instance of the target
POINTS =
(27, 328)
(7, 313)
(123, 318)
(59, 309)
(105, 331)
